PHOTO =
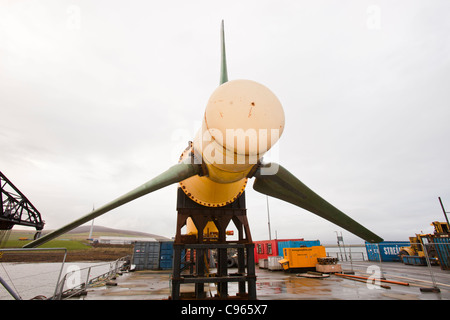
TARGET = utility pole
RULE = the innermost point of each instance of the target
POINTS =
(445, 213)
(268, 217)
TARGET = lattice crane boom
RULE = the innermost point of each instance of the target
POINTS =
(16, 209)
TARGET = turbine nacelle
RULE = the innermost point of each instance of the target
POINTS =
(242, 121)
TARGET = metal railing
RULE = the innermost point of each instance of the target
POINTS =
(348, 256)
(347, 252)
(71, 284)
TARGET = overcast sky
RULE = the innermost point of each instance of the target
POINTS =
(98, 97)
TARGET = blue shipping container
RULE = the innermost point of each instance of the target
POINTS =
(296, 244)
(166, 255)
(415, 260)
(389, 250)
(442, 246)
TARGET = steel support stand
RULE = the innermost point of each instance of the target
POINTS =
(199, 246)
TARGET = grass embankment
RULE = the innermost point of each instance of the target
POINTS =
(77, 245)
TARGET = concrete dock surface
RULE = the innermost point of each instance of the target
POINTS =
(403, 282)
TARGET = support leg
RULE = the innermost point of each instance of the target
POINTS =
(176, 274)
(200, 267)
(251, 275)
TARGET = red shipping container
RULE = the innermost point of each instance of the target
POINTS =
(266, 248)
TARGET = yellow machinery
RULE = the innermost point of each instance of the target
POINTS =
(416, 248)
(440, 227)
(424, 240)
(301, 258)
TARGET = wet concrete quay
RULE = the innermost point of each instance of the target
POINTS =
(281, 285)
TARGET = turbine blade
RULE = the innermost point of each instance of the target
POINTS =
(176, 173)
(285, 186)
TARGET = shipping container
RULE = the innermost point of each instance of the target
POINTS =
(267, 248)
(414, 260)
(154, 255)
(389, 250)
(296, 244)
(146, 255)
(442, 247)
(166, 255)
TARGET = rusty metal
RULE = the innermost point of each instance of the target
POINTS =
(198, 244)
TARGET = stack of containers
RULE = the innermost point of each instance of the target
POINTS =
(272, 250)
(153, 255)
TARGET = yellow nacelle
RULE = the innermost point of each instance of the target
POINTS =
(242, 121)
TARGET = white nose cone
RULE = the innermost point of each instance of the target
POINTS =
(244, 117)
(242, 120)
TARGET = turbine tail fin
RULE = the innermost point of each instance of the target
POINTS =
(223, 62)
